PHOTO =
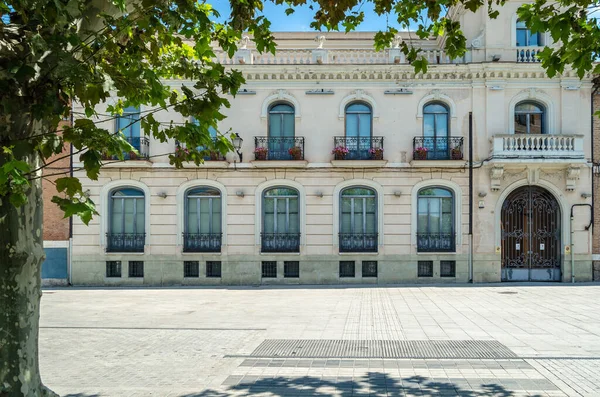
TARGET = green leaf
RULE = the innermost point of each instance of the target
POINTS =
(69, 185)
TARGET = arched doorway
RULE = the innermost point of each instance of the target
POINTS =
(531, 230)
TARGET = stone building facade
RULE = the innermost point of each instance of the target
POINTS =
(354, 169)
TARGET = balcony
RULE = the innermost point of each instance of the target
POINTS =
(278, 148)
(358, 242)
(431, 148)
(435, 242)
(358, 148)
(213, 155)
(141, 144)
(204, 242)
(280, 242)
(528, 55)
(538, 146)
(119, 242)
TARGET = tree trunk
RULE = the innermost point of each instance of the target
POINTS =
(21, 257)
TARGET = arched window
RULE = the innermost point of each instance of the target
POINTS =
(435, 220)
(281, 220)
(529, 118)
(281, 132)
(436, 131)
(126, 221)
(359, 130)
(358, 220)
(527, 39)
(202, 222)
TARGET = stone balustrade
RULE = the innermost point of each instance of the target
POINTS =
(527, 146)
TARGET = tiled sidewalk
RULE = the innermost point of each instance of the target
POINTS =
(200, 341)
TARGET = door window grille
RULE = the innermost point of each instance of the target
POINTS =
(425, 269)
(136, 269)
(191, 269)
(369, 268)
(269, 269)
(213, 268)
(346, 268)
(113, 268)
(291, 269)
(447, 268)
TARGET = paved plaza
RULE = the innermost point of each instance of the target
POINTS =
(490, 340)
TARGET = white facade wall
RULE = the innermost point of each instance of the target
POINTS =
(488, 90)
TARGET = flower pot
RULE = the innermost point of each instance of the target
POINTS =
(377, 156)
(456, 155)
(340, 156)
(297, 156)
(420, 155)
(214, 156)
(260, 156)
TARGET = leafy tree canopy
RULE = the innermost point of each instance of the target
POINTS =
(54, 53)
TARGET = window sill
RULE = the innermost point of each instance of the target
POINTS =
(127, 164)
(438, 253)
(359, 163)
(357, 253)
(207, 164)
(201, 253)
(279, 253)
(125, 253)
(438, 163)
(279, 163)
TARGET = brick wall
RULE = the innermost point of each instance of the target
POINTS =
(596, 182)
(56, 228)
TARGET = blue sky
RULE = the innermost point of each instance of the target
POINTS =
(300, 20)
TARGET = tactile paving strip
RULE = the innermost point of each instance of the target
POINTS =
(337, 348)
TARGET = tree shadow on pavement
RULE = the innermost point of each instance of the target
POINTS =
(371, 384)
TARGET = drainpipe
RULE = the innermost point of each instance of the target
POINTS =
(471, 197)
(572, 244)
(70, 252)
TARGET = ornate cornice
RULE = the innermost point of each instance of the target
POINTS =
(446, 72)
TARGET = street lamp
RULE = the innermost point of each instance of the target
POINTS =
(237, 144)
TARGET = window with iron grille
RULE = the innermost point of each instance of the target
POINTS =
(136, 269)
(213, 268)
(447, 268)
(269, 269)
(291, 269)
(113, 268)
(369, 268)
(425, 269)
(191, 269)
(346, 268)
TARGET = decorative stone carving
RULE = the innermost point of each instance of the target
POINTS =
(320, 39)
(533, 175)
(396, 42)
(244, 42)
(496, 175)
(572, 175)
(478, 41)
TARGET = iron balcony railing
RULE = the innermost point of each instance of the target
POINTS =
(278, 148)
(358, 242)
(141, 144)
(280, 242)
(358, 148)
(435, 242)
(130, 242)
(430, 148)
(203, 242)
(213, 155)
